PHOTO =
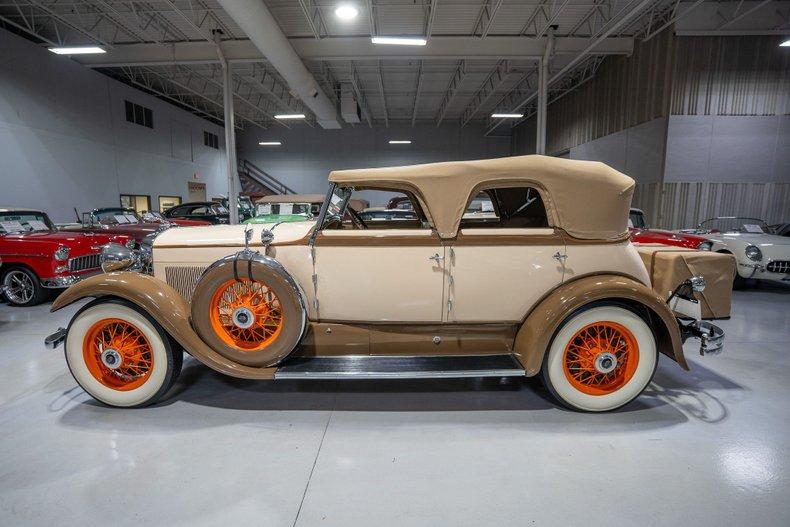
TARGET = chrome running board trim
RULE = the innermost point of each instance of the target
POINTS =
(397, 367)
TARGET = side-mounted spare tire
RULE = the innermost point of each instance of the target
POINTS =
(248, 309)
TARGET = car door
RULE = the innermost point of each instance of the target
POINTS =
(504, 259)
(387, 275)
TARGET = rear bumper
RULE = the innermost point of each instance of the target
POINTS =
(711, 336)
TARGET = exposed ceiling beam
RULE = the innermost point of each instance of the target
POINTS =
(355, 48)
(416, 95)
(383, 96)
(492, 83)
(452, 90)
(431, 6)
(359, 91)
(743, 15)
(485, 18)
(314, 18)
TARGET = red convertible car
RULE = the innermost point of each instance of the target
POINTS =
(641, 233)
(118, 220)
(37, 257)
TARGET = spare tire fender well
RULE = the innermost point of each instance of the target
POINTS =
(272, 264)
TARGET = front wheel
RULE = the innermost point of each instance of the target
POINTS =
(120, 355)
(600, 359)
(22, 287)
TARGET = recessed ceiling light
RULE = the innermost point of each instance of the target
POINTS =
(399, 41)
(346, 12)
(400, 142)
(785, 44)
(507, 115)
(82, 50)
(289, 116)
(270, 143)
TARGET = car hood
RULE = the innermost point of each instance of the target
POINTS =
(232, 235)
(73, 240)
(658, 235)
(760, 240)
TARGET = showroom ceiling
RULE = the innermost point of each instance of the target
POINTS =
(482, 55)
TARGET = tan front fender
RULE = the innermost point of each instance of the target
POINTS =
(167, 307)
(534, 336)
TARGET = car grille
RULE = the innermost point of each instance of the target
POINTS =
(81, 263)
(183, 279)
(779, 266)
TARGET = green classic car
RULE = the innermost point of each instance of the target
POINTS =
(286, 208)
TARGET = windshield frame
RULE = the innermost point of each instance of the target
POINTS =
(742, 220)
(46, 220)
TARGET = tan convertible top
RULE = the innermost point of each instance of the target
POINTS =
(587, 199)
(292, 198)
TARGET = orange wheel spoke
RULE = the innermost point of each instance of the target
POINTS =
(259, 300)
(598, 341)
(129, 342)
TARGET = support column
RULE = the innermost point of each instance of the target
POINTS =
(543, 94)
(230, 134)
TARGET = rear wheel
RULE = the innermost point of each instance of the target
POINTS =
(600, 359)
(119, 355)
(22, 287)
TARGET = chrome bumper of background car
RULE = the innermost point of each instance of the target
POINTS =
(62, 282)
(54, 340)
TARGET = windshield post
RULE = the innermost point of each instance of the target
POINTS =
(322, 213)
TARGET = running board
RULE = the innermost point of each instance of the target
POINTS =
(395, 367)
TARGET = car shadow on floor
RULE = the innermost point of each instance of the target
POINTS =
(673, 398)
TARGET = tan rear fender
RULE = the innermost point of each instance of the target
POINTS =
(167, 307)
(534, 336)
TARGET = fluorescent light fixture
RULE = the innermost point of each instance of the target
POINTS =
(400, 141)
(399, 41)
(346, 12)
(785, 44)
(82, 50)
(270, 143)
(507, 115)
(289, 116)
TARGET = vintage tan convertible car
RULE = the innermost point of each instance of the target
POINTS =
(548, 284)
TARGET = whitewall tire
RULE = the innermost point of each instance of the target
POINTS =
(119, 355)
(600, 359)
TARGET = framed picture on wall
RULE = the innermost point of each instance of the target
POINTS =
(139, 202)
(168, 202)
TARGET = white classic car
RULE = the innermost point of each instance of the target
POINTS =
(759, 254)
(549, 285)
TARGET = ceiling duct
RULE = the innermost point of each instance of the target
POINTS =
(257, 22)
(349, 107)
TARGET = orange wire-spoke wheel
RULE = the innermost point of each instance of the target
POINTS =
(246, 314)
(601, 358)
(118, 354)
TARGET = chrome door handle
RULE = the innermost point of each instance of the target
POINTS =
(560, 257)
(436, 258)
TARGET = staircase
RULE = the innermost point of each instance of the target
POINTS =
(256, 181)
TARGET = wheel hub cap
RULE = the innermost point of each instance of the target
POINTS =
(605, 362)
(111, 359)
(243, 318)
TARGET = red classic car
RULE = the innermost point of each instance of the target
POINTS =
(641, 233)
(36, 256)
(118, 220)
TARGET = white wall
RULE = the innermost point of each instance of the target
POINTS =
(637, 151)
(65, 142)
(308, 154)
(728, 149)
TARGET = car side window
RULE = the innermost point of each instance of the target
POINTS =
(507, 207)
(370, 209)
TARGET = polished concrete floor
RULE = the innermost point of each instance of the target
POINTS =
(709, 447)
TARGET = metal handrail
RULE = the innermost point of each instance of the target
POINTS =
(264, 178)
